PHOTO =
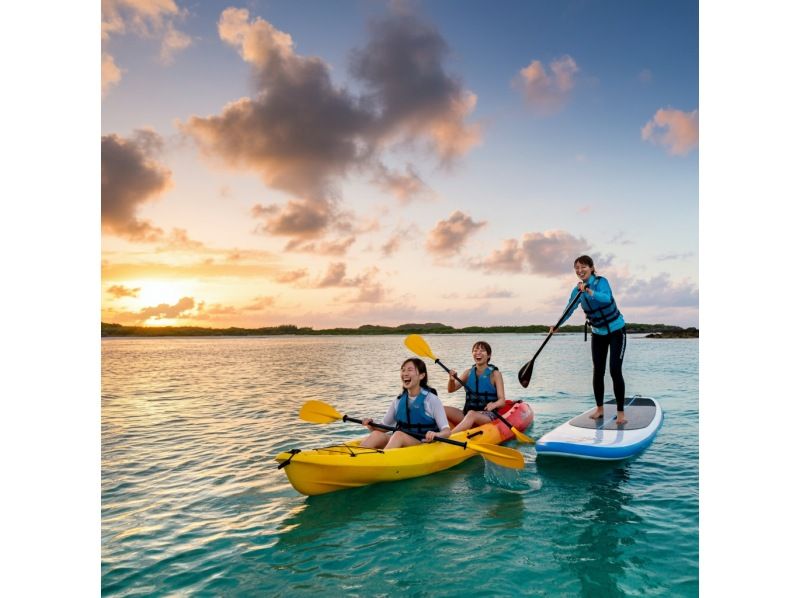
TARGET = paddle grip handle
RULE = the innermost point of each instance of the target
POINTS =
(447, 369)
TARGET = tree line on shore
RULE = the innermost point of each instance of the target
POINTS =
(107, 330)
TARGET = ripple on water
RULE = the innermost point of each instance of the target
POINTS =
(193, 503)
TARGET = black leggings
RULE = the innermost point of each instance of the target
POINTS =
(600, 346)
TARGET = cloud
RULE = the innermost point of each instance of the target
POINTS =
(402, 66)
(179, 240)
(145, 18)
(118, 291)
(448, 236)
(370, 290)
(550, 253)
(547, 93)
(334, 277)
(665, 257)
(208, 312)
(659, 291)
(620, 238)
(302, 134)
(163, 311)
(393, 243)
(173, 42)
(130, 177)
(260, 303)
(110, 73)
(335, 247)
(290, 275)
(675, 130)
(492, 293)
(405, 187)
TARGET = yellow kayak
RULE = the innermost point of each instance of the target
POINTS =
(342, 466)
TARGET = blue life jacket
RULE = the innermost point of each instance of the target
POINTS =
(411, 415)
(600, 316)
(480, 390)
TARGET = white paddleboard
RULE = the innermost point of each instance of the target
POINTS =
(603, 439)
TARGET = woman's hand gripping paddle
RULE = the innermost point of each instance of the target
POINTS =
(526, 372)
(418, 345)
(318, 412)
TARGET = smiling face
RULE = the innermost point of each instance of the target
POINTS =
(481, 353)
(411, 377)
(583, 271)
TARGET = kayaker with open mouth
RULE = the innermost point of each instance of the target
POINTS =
(417, 409)
(483, 383)
(608, 332)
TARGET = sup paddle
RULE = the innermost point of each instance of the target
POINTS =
(526, 372)
(318, 412)
(418, 345)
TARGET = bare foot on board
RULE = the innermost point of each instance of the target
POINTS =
(598, 413)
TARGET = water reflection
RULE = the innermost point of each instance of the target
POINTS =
(595, 536)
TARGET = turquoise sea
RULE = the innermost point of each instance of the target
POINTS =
(193, 503)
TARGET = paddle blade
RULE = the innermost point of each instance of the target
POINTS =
(501, 455)
(525, 374)
(522, 437)
(318, 412)
(418, 345)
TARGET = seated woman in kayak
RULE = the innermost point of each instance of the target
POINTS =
(417, 409)
(483, 383)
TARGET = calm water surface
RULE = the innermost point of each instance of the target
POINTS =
(193, 504)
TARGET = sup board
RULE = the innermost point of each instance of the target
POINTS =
(587, 438)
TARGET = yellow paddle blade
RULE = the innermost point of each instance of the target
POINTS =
(418, 345)
(522, 437)
(502, 455)
(318, 412)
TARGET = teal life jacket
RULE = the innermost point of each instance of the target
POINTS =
(598, 315)
(411, 416)
(480, 390)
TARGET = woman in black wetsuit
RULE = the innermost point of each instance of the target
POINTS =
(608, 333)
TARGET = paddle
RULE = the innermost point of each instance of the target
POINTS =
(318, 412)
(526, 372)
(418, 345)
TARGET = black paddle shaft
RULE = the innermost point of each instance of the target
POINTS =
(526, 371)
(347, 418)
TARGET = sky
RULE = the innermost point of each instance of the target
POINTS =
(396, 162)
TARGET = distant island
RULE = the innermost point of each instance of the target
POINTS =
(107, 330)
(683, 333)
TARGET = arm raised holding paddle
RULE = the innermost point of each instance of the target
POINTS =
(483, 384)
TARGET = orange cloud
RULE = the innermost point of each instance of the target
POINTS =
(182, 309)
(118, 290)
(110, 73)
(131, 176)
(675, 130)
(448, 236)
(547, 93)
(334, 247)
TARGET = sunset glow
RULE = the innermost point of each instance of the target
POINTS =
(259, 169)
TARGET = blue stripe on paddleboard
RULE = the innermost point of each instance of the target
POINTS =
(589, 451)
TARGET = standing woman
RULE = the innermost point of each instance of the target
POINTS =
(608, 332)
